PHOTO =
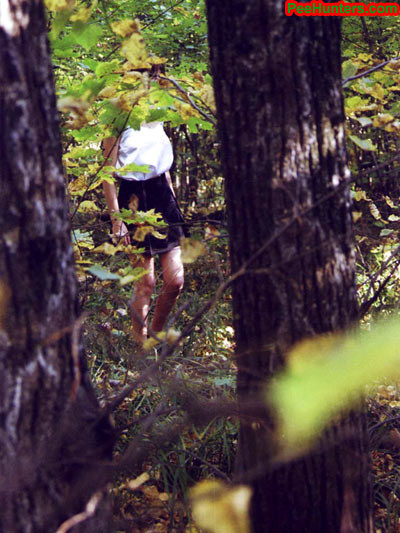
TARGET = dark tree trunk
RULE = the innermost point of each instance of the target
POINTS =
(49, 426)
(280, 112)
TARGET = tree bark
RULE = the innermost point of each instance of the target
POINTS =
(50, 426)
(277, 81)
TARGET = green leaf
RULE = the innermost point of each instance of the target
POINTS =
(386, 232)
(132, 167)
(328, 374)
(87, 35)
(106, 68)
(364, 121)
(364, 144)
(101, 273)
(227, 381)
(349, 69)
(58, 23)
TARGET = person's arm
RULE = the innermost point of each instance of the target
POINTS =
(119, 229)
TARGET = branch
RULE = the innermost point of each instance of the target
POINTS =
(369, 71)
(162, 14)
(365, 307)
(89, 511)
(191, 102)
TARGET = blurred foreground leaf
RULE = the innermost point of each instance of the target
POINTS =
(328, 374)
(221, 508)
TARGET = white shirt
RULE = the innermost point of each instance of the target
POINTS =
(148, 146)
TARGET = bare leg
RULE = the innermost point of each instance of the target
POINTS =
(172, 272)
(141, 297)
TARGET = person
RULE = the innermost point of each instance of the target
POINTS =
(147, 190)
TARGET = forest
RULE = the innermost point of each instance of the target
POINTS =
(270, 401)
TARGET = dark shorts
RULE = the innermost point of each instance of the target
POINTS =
(156, 194)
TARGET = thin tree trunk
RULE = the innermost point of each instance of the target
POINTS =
(280, 113)
(49, 425)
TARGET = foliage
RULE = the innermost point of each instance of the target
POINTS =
(373, 127)
(97, 48)
(218, 508)
(328, 374)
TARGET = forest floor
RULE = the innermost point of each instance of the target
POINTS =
(153, 496)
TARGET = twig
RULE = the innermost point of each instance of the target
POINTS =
(89, 511)
(191, 102)
(369, 71)
(219, 472)
(162, 14)
(387, 421)
(365, 307)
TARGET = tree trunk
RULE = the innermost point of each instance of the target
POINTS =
(49, 417)
(277, 81)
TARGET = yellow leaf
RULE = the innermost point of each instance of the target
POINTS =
(360, 195)
(374, 211)
(87, 206)
(156, 60)
(186, 111)
(377, 92)
(139, 481)
(151, 342)
(83, 14)
(134, 50)
(192, 250)
(59, 5)
(108, 92)
(331, 377)
(78, 186)
(78, 109)
(78, 105)
(221, 508)
(142, 231)
(106, 248)
(389, 202)
(132, 77)
(128, 99)
(172, 335)
(356, 216)
(126, 27)
(382, 119)
(394, 65)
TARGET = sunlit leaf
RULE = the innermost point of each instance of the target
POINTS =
(83, 13)
(364, 144)
(360, 195)
(106, 248)
(59, 5)
(382, 119)
(87, 206)
(87, 35)
(364, 121)
(221, 508)
(142, 232)
(192, 249)
(374, 211)
(101, 273)
(134, 49)
(125, 28)
(328, 374)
